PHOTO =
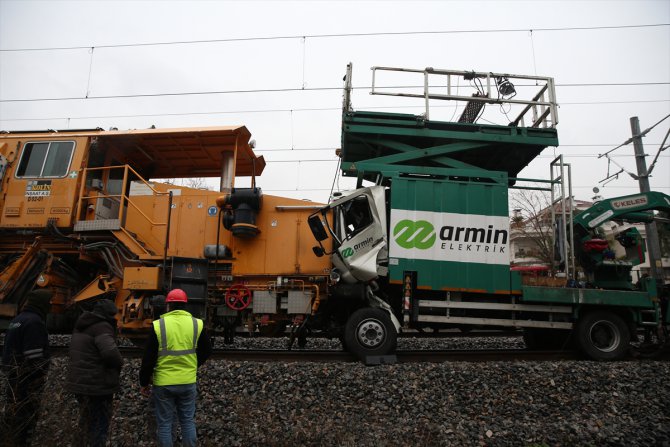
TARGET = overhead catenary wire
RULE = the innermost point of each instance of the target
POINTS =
(282, 90)
(316, 160)
(335, 178)
(610, 159)
(630, 140)
(90, 72)
(305, 109)
(324, 36)
(661, 148)
(633, 187)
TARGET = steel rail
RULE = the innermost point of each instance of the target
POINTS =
(330, 356)
(402, 356)
(431, 356)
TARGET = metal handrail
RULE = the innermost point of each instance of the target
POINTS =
(104, 168)
(123, 198)
(548, 116)
(563, 180)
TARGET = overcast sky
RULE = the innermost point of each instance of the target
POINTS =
(277, 67)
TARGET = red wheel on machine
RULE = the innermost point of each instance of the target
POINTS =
(238, 297)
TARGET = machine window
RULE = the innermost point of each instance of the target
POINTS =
(46, 159)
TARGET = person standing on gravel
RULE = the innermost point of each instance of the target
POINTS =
(94, 369)
(178, 345)
(25, 360)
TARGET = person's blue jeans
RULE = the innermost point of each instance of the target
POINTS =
(95, 412)
(171, 399)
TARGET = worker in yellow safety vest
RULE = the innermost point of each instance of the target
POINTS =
(176, 347)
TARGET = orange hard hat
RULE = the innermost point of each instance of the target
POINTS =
(176, 296)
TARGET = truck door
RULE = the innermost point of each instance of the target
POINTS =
(359, 230)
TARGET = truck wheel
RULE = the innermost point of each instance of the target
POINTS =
(369, 331)
(603, 335)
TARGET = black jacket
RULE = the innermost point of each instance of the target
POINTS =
(95, 360)
(26, 353)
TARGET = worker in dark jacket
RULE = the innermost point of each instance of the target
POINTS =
(25, 360)
(93, 376)
(176, 347)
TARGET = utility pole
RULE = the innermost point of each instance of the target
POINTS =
(653, 243)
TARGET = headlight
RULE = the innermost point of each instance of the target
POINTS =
(334, 276)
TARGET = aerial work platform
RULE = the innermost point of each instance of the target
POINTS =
(372, 142)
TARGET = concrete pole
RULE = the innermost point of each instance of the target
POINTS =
(653, 243)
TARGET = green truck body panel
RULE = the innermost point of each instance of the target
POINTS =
(454, 276)
(600, 297)
(454, 234)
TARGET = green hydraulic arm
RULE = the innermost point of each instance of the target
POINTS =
(594, 254)
(633, 208)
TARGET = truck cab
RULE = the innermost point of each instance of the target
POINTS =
(359, 240)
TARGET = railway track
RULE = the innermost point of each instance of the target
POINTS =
(329, 356)
(400, 356)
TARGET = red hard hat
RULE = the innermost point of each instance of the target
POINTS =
(176, 296)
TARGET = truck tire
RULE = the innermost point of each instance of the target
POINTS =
(603, 335)
(369, 331)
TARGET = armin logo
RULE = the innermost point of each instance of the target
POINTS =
(347, 252)
(409, 234)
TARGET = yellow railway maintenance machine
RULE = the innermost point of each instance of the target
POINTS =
(81, 215)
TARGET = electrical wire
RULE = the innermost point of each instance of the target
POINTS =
(307, 109)
(590, 156)
(505, 112)
(633, 187)
(90, 72)
(532, 47)
(283, 90)
(630, 140)
(660, 149)
(158, 95)
(335, 178)
(322, 36)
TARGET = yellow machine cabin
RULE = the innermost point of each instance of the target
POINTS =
(81, 212)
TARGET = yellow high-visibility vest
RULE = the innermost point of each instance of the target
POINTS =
(177, 332)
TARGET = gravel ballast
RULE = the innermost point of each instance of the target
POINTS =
(443, 404)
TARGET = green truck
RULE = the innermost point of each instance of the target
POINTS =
(423, 242)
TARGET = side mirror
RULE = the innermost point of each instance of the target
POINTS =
(318, 251)
(316, 226)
